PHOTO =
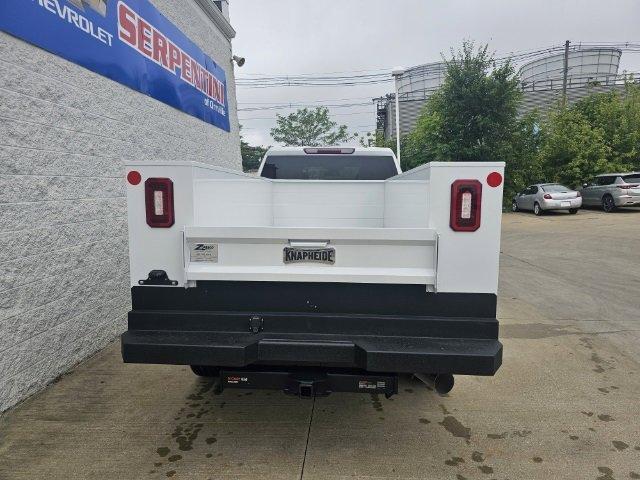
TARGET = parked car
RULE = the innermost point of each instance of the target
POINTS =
(547, 196)
(612, 190)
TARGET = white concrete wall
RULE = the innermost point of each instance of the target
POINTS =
(64, 134)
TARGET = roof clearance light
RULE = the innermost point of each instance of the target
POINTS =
(329, 151)
(158, 198)
(466, 202)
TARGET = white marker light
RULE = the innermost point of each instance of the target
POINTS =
(465, 210)
(158, 203)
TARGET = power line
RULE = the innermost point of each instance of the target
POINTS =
(368, 112)
(382, 69)
(313, 84)
(302, 105)
(310, 101)
(366, 77)
(317, 76)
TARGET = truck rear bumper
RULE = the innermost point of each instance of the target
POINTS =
(373, 354)
(386, 328)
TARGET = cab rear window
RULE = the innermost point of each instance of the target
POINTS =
(555, 188)
(329, 167)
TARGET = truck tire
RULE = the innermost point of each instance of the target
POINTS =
(205, 371)
(514, 206)
(537, 209)
(608, 204)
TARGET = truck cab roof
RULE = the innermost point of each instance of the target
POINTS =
(355, 150)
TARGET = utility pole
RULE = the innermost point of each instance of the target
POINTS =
(565, 73)
(397, 73)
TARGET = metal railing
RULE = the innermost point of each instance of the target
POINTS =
(599, 79)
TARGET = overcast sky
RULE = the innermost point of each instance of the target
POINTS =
(310, 36)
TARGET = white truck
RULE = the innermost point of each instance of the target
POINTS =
(329, 271)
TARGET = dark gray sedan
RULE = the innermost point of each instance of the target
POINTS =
(547, 196)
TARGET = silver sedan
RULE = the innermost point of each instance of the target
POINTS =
(547, 196)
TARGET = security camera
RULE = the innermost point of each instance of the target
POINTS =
(239, 60)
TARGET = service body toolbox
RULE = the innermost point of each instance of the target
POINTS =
(312, 285)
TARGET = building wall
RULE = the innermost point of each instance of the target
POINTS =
(64, 135)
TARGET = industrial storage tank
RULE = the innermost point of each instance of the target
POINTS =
(418, 82)
(586, 65)
(415, 85)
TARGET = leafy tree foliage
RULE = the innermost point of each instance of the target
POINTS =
(472, 117)
(309, 127)
(369, 139)
(599, 134)
(523, 165)
(251, 155)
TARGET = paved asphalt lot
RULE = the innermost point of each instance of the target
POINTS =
(565, 404)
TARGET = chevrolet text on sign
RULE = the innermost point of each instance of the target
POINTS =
(129, 42)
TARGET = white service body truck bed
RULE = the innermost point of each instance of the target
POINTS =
(243, 273)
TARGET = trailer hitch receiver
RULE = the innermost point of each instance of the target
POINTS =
(307, 386)
(309, 383)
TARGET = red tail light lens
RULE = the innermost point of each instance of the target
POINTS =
(547, 196)
(158, 198)
(466, 203)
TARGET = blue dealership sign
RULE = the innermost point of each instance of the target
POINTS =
(129, 41)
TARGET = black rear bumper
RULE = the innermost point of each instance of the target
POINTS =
(374, 328)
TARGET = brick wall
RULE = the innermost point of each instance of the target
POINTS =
(64, 135)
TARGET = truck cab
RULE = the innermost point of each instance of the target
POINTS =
(330, 271)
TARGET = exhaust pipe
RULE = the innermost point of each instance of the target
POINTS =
(440, 382)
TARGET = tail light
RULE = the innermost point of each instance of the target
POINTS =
(158, 198)
(578, 194)
(466, 202)
(547, 196)
(627, 187)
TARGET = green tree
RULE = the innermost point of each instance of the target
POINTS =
(374, 139)
(251, 155)
(617, 115)
(523, 166)
(473, 116)
(571, 149)
(600, 133)
(309, 127)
